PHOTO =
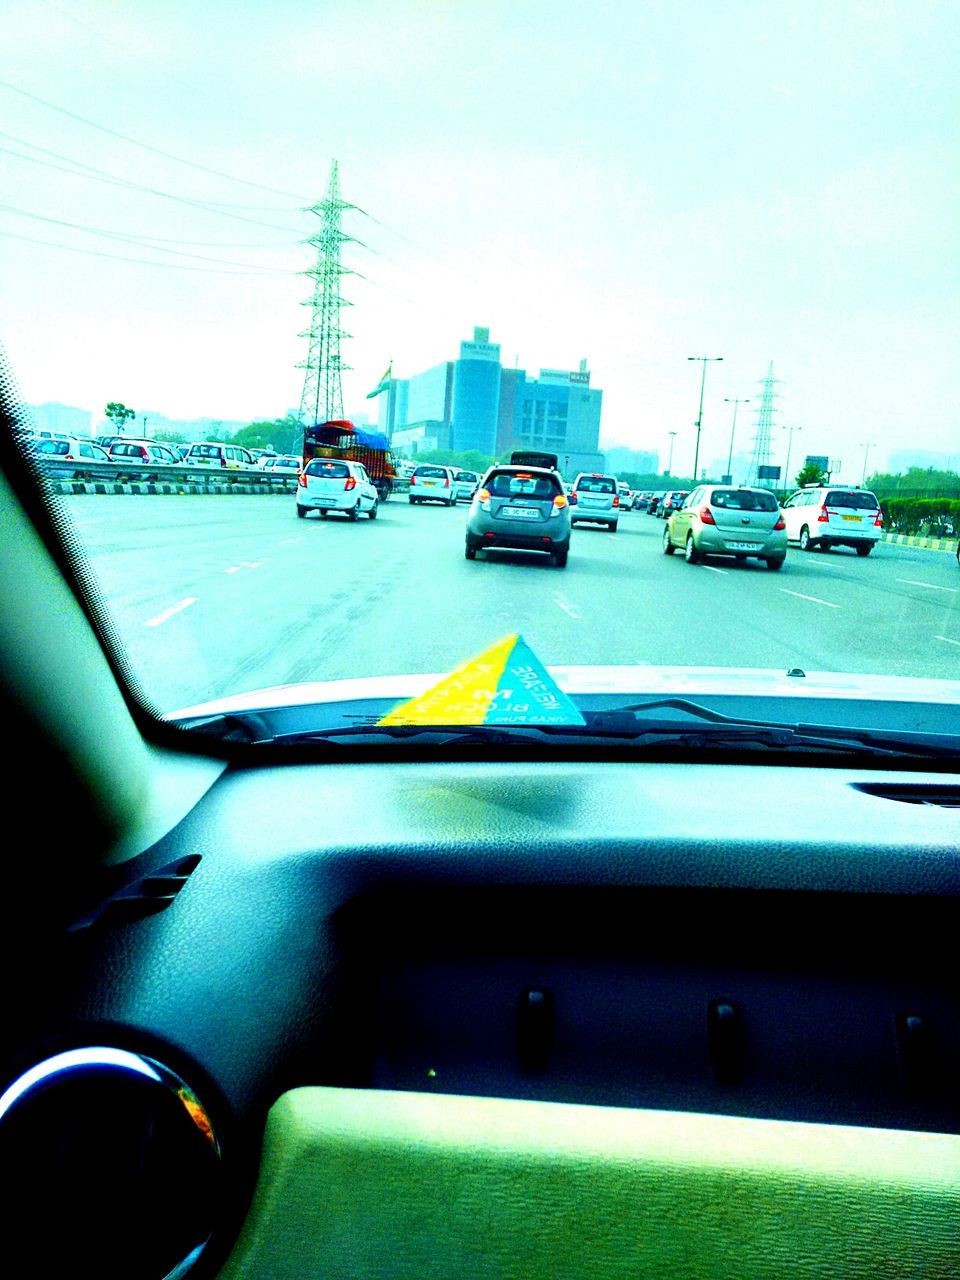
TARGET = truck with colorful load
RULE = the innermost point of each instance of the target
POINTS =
(340, 438)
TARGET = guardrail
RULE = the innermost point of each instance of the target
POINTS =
(161, 473)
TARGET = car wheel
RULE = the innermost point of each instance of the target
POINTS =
(412, 501)
(668, 547)
(690, 552)
(864, 548)
(805, 543)
(470, 549)
(301, 512)
(775, 562)
(560, 558)
(612, 526)
(372, 513)
(354, 511)
(323, 515)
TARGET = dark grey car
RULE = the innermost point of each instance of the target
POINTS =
(523, 508)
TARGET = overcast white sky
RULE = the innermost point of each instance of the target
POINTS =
(633, 183)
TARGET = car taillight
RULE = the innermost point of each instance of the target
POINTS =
(706, 516)
(68, 458)
(781, 524)
(349, 483)
(302, 479)
(483, 497)
(824, 516)
(560, 501)
(878, 523)
(616, 500)
(446, 483)
(573, 499)
(223, 460)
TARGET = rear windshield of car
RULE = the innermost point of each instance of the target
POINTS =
(287, 462)
(437, 473)
(53, 446)
(328, 470)
(509, 484)
(743, 500)
(468, 476)
(857, 500)
(206, 450)
(596, 484)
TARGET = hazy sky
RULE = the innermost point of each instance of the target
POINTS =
(632, 183)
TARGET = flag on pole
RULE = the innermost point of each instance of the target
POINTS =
(383, 384)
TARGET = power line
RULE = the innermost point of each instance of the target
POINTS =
(136, 240)
(146, 146)
(118, 257)
(83, 170)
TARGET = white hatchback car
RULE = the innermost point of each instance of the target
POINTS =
(432, 483)
(597, 500)
(465, 485)
(833, 516)
(328, 484)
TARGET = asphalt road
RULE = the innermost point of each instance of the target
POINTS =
(217, 595)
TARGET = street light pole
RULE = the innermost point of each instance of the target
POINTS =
(672, 435)
(704, 361)
(736, 404)
(789, 431)
(867, 446)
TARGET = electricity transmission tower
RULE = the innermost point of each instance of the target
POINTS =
(761, 440)
(322, 397)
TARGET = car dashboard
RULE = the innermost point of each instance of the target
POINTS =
(666, 941)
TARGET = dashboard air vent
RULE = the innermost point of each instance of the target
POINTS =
(144, 897)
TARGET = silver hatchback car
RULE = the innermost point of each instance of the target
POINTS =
(520, 507)
(719, 520)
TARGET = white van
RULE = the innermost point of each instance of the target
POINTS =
(212, 454)
(828, 516)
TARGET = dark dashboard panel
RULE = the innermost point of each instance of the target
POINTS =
(770, 942)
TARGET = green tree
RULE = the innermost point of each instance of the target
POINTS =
(283, 434)
(809, 474)
(119, 415)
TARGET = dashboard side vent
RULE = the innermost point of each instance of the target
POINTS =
(144, 897)
(940, 797)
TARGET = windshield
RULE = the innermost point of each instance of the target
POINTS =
(743, 500)
(431, 253)
(855, 501)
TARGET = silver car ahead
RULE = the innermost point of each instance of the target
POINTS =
(520, 507)
(719, 520)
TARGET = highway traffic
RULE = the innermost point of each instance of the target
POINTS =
(214, 596)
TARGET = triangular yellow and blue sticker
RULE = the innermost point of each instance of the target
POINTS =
(507, 684)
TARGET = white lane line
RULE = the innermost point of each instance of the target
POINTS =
(251, 564)
(288, 542)
(713, 569)
(234, 568)
(815, 599)
(947, 640)
(930, 586)
(168, 613)
(569, 608)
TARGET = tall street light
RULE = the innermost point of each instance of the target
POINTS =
(736, 404)
(786, 470)
(672, 435)
(704, 360)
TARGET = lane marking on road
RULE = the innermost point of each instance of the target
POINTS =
(234, 568)
(930, 586)
(169, 613)
(288, 542)
(947, 640)
(713, 569)
(569, 608)
(814, 599)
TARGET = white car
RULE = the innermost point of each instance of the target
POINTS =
(626, 496)
(465, 485)
(328, 484)
(828, 516)
(67, 449)
(432, 483)
(284, 465)
(597, 500)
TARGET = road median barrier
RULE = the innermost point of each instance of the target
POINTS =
(918, 540)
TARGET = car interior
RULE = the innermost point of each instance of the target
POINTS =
(460, 1010)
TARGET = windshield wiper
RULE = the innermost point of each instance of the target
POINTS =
(725, 732)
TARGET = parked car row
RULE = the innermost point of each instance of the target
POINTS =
(143, 452)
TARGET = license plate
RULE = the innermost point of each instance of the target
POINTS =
(429, 483)
(744, 546)
(520, 513)
(857, 518)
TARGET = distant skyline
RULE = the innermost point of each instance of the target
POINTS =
(634, 184)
